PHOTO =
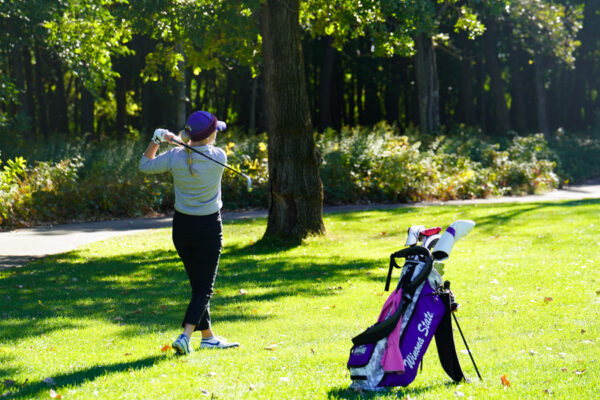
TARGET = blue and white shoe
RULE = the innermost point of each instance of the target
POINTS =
(182, 345)
(216, 342)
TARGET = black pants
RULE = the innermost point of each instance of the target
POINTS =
(198, 240)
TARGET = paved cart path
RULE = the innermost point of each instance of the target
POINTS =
(23, 245)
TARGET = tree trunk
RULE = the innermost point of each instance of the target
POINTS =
(325, 83)
(501, 124)
(517, 108)
(540, 91)
(29, 106)
(18, 69)
(253, 100)
(295, 188)
(427, 84)
(87, 111)
(40, 94)
(392, 92)
(121, 101)
(466, 93)
(60, 100)
(181, 106)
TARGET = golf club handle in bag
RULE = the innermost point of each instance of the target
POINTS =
(410, 251)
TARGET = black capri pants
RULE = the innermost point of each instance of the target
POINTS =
(198, 240)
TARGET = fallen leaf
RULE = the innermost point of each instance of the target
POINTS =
(272, 346)
(548, 299)
(49, 381)
(587, 341)
(54, 395)
(243, 292)
(166, 347)
(211, 374)
(117, 318)
(127, 354)
(532, 352)
(583, 331)
(564, 370)
(579, 372)
(562, 355)
(138, 311)
(163, 307)
(205, 392)
(548, 391)
(284, 379)
(251, 387)
(459, 394)
(504, 380)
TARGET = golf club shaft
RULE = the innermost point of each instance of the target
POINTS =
(210, 158)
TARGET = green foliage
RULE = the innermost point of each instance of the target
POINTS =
(378, 165)
(547, 28)
(578, 156)
(100, 180)
(85, 35)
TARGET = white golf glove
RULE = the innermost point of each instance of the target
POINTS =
(160, 136)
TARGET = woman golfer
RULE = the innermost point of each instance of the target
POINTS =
(197, 230)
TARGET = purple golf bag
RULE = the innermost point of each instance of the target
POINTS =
(388, 353)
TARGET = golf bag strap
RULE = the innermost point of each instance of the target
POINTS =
(410, 251)
(444, 340)
(380, 330)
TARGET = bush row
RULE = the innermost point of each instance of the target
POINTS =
(94, 181)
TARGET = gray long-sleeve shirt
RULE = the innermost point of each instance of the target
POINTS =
(194, 195)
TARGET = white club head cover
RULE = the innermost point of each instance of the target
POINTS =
(413, 234)
(457, 230)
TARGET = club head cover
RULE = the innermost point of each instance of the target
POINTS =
(414, 232)
(455, 231)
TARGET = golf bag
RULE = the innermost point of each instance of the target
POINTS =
(389, 352)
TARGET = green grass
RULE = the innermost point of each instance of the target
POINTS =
(94, 320)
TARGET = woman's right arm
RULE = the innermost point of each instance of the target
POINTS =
(150, 163)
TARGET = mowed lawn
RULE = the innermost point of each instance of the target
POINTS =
(97, 323)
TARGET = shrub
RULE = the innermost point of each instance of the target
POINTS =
(101, 180)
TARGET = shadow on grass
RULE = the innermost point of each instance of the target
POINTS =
(516, 210)
(76, 378)
(150, 290)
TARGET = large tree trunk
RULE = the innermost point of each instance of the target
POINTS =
(295, 189)
(427, 84)
(501, 122)
(540, 90)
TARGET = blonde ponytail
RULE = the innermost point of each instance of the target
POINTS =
(185, 138)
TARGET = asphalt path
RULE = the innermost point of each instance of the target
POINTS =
(20, 246)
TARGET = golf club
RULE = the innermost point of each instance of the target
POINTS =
(248, 180)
